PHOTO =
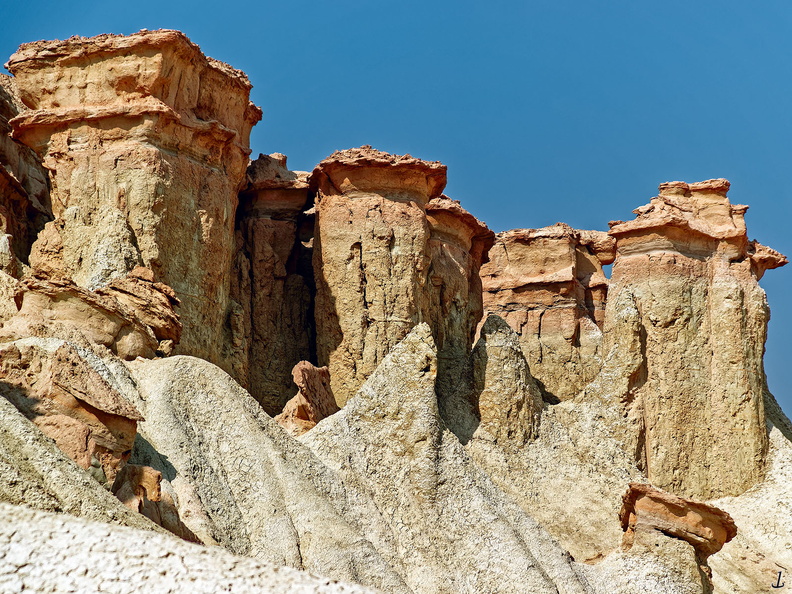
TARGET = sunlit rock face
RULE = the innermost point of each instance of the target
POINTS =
(549, 285)
(273, 280)
(686, 324)
(146, 142)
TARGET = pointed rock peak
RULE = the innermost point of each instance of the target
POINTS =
(509, 402)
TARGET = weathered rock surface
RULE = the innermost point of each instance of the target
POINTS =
(24, 187)
(685, 330)
(239, 480)
(391, 252)
(705, 527)
(270, 282)
(143, 163)
(508, 401)
(444, 525)
(133, 316)
(314, 401)
(36, 473)
(51, 383)
(41, 552)
(139, 488)
(548, 284)
(371, 257)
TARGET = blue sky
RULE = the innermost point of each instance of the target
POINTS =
(543, 111)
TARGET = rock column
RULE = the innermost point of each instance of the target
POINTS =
(270, 283)
(371, 257)
(146, 141)
(549, 285)
(685, 326)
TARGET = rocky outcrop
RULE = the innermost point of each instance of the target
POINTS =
(45, 552)
(24, 187)
(36, 473)
(391, 252)
(139, 488)
(705, 527)
(314, 401)
(508, 401)
(142, 164)
(133, 316)
(271, 282)
(390, 446)
(50, 382)
(549, 285)
(371, 257)
(685, 329)
(241, 481)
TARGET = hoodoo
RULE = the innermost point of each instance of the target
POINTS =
(142, 163)
(684, 289)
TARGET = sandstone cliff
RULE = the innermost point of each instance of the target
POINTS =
(599, 436)
(142, 164)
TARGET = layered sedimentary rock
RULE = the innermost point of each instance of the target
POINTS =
(549, 285)
(391, 252)
(146, 142)
(685, 330)
(271, 283)
(313, 402)
(133, 316)
(50, 382)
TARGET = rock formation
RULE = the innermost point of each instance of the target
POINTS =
(391, 252)
(50, 383)
(411, 460)
(685, 309)
(270, 282)
(143, 164)
(314, 401)
(548, 284)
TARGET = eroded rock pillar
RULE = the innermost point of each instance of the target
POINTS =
(549, 285)
(146, 142)
(270, 281)
(684, 295)
(371, 257)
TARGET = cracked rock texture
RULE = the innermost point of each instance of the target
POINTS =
(43, 552)
(685, 326)
(271, 282)
(146, 142)
(549, 285)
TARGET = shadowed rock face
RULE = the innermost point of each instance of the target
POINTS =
(271, 282)
(145, 166)
(685, 327)
(548, 284)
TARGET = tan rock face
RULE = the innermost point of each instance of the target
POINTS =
(133, 316)
(270, 282)
(50, 382)
(314, 401)
(139, 488)
(142, 164)
(549, 285)
(685, 330)
(704, 526)
(390, 252)
(509, 402)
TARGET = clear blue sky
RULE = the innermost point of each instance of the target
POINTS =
(543, 111)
